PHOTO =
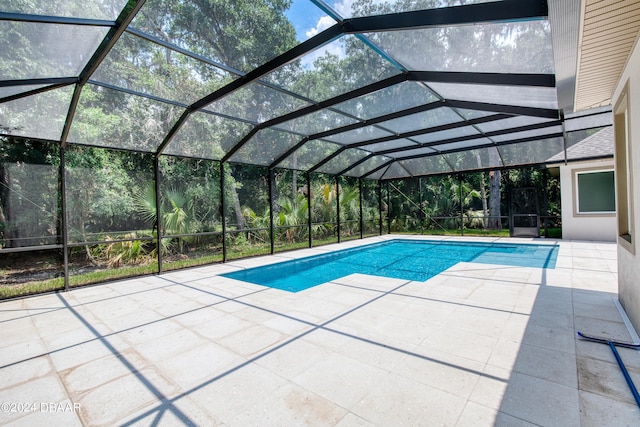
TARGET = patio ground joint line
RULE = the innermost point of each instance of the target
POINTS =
(145, 382)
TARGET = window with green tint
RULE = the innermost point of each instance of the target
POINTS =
(596, 192)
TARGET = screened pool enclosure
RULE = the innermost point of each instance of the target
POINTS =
(143, 136)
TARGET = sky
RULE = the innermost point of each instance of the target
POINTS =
(310, 20)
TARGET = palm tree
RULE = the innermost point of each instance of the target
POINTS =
(293, 213)
(177, 211)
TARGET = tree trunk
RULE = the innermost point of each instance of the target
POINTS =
(274, 189)
(294, 168)
(230, 186)
(483, 193)
(83, 218)
(494, 200)
(294, 173)
(237, 208)
(5, 207)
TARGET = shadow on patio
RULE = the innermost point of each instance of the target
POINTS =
(475, 345)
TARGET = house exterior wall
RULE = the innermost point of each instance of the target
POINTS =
(577, 226)
(629, 252)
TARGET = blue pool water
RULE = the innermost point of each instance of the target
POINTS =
(400, 259)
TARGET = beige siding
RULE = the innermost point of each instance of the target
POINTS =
(629, 259)
(608, 33)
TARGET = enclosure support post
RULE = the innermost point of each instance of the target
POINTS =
(63, 218)
(271, 233)
(420, 213)
(222, 215)
(461, 206)
(338, 207)
(510, 204)
(361, 218)
(388, 210)
(309, 219)
(545, 201)
(379, 190)
(156, 174)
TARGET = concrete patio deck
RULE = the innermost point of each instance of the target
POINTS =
(476, 345)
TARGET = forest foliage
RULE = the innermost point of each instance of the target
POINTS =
(110, 195)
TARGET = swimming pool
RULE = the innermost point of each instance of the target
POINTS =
(416, 260)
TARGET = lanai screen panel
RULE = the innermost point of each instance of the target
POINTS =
(413, 152)
(110, 118)
(443, 135)
(532, 152)
(143, 66)
(265, 147)
(207, 136)
(378, 174)
(29, 195)
(475, 114)
(526, 96)
(359, 135)
(343, 161)
(319, 121)
(462, 144)
(309, 155)
(353, 65)
(480, 158)
(252, 84)
(423, 120)
(394, 171)
(367, 166)
(589, 119)
(32, 50)
(495, 48)
(93, 9)
(38, 116)
(357, 9)
(257, 103)
(528, 134)
(103, 205)
(426, 165)
(15, 90)
(512, 122)
(208, 29)
(391, 145)
(388, 100)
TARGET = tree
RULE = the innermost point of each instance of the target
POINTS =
(29, 206)
(495, 178)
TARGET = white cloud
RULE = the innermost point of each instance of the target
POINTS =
(323, 23)
(334, 48)
(343, 7)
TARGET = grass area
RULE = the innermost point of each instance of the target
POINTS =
(243, 251)
(237, 252)
(94, 276)
(474, 232)
(325, 241)
(456, 232)
(282, 247)
(97, 276)
(553, 233)
(28, 288)
(191, 262)
(352, 237)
